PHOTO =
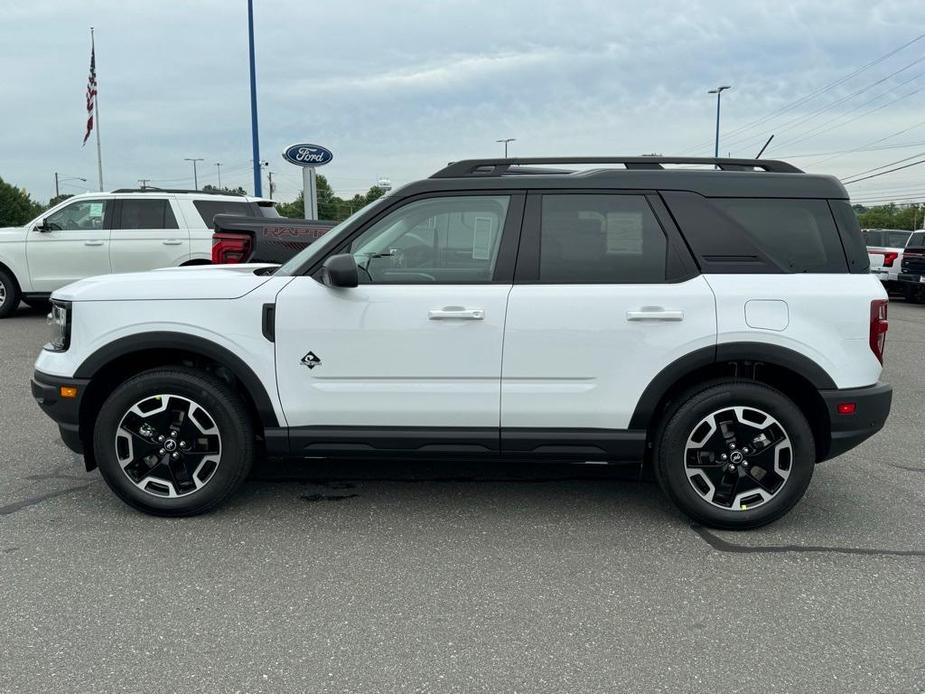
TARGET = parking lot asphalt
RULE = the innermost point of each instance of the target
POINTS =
(438, 578)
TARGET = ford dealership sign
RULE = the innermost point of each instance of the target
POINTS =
(308, 155)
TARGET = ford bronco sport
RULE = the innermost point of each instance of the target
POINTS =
(719, 324)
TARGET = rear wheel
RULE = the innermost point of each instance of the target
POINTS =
(174, 441)
(9, 294)
(735, 455)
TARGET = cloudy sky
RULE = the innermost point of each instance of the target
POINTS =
(396, 88)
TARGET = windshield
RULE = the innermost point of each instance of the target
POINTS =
(309, 252)
(888, 238)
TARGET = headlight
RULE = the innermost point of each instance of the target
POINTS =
(59, 320)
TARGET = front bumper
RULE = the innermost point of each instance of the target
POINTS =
(872, 407)
(46, 389)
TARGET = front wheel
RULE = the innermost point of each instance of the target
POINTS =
(735, 455)
(9, 294)
(174, 441)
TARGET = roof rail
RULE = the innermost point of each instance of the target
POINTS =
(154, 189)
(499, 167)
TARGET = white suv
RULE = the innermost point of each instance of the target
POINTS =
(720, 325)
(101, 233)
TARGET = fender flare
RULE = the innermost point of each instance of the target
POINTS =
(728, 351)
(197, 345)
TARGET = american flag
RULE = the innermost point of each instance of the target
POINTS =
(91, 91)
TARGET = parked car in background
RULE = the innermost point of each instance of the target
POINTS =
(720, 325)
(127, 230)
(237, 239)
(912, 269)
(885, 250)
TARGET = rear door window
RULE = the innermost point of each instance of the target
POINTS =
(209, 208)
(612, 239)
(798, 234)
(147, 214)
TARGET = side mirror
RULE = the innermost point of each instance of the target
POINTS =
(43, 227)
(340, 271)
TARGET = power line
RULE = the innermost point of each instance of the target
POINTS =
(883, 166)
(827, 88)
(799, 120)
(884, 173)
(872, 142)
(829, 127)
(790, 125)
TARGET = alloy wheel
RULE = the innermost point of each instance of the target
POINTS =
(168, 445)
(738, 458)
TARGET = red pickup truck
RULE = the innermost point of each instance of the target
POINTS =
(238, 239)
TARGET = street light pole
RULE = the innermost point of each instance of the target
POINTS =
(59, 179)
(218, 165)
(195, 177)
(505, 140)
(719, 93)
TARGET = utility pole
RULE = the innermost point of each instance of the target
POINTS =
(719, 93)
(195, 177)
(270, 181)
(144, 182)
(218, 165)
(505, 140)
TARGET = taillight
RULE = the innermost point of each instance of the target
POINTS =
(229, 247)
(889, 257)
(878, 327)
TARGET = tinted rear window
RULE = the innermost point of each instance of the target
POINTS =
(797, 234)
(888, 238)
(209, 208)
(147, 214)
(600, 238)
(917, 240)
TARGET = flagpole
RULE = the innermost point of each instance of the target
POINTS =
(96, 118)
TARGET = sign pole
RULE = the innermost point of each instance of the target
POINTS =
(255, 139)
(310, 192)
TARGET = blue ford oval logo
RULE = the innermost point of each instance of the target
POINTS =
(308, 155)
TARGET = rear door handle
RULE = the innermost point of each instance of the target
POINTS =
(654, 313)
(171, 243)
(93, 243)
(456, 312)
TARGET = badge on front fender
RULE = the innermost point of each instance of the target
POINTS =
(311, 360)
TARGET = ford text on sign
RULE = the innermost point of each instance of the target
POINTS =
(307, 155)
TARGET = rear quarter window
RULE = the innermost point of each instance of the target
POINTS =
(799, 235)
(760, 235)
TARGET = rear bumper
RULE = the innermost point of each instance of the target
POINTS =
(46, 389)
(872, 407)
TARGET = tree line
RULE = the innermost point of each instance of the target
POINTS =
(17, 207)
(892, 216)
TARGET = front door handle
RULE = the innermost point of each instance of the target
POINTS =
(93, 243)
(171, 243)
(654, 313)
(457, 312)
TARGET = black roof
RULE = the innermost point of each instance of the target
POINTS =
(729, 178)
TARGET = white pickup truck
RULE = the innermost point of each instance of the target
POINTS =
(102, 233)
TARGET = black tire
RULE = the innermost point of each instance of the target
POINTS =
(38, 304)
(680, 425)
(222, 406)
(9, 293)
